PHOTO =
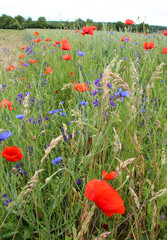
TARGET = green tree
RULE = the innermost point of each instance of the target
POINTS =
(21, 20)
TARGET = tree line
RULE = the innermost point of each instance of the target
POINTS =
(19, 22)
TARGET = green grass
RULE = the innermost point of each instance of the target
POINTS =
(98, 137)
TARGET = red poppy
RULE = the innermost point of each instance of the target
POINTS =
(48, 70)
(165, 32)
(54, 44)
(80, 87)
(22, 63)
(9, 68)
(38, 40)
(67, 57)
(105, 197)
(21, 56)
(164, 50)
(129, 22)
(48, 40)
(36, 33)
(148, 45)
(76, 31)
(66, 45)
(109, 176)
(22, 47)
(94, 27)
(87, 30)
(6, 103)
(32, 61)
(57, 42)
(71, 73)
(12, 154)
(22, 78)
(125, 39)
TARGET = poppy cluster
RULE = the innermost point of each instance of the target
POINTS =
(105, 197)
(9, 68)
(148, 45)
(81, 87)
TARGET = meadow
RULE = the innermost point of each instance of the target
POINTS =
(83, 141)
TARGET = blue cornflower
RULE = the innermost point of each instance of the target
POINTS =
(136, 43)
(27, 93)
(109, 85)
(51, 50)
(57, 160)
(95, 103)
(53, 111)
(19, 116)
(62, 114)
(94, 93)
(83, 103)
(79, 53)
(124, 58)
(79, 181)
(144, 99)
(121, 94)
(5, 135)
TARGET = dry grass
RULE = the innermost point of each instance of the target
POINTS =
(10, 39)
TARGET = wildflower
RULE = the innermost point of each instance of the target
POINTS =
(125, 39)
(48, 70)
(36, 33)
(164, 50)
(53, 111)
(79, 53)
(48, 40)
(71, 73)
(32, 61)
(105, 197)
(129, 22)
(108, 176)
(95, 103)
(19, 116)
(94, 28)
(76, 31)
(9, 68)
(83, 103)
(121, 94)
(57, 42)
(21, 56)
(5, 135)
(165, 32)
(38, 40)
(148, 45)
(79, 181)
(66, 45)
(12, 154)
(6, 103)
(87, 30)
(22, 47)
(57, 160)
(67, 57)
(81, 87)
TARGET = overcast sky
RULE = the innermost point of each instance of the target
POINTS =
(149, 11)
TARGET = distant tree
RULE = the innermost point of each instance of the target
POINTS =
(119, 25)
(79, 23)
(14, 24)
(89, 22)
(7, 22)
(21, 20)
(41, 22)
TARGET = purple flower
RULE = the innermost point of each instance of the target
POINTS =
(57, 160)
(19, 116)
(5, 135)
(109, 85)
(121, 94)
(79, 53)
(79, 181)
(95, 103)
(83, 103)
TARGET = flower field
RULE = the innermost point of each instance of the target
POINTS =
(83, 123)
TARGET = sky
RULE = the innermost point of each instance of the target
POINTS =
(152, 13)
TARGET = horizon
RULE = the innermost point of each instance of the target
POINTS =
(109, 11)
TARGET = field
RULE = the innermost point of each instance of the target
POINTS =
(83, 141)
